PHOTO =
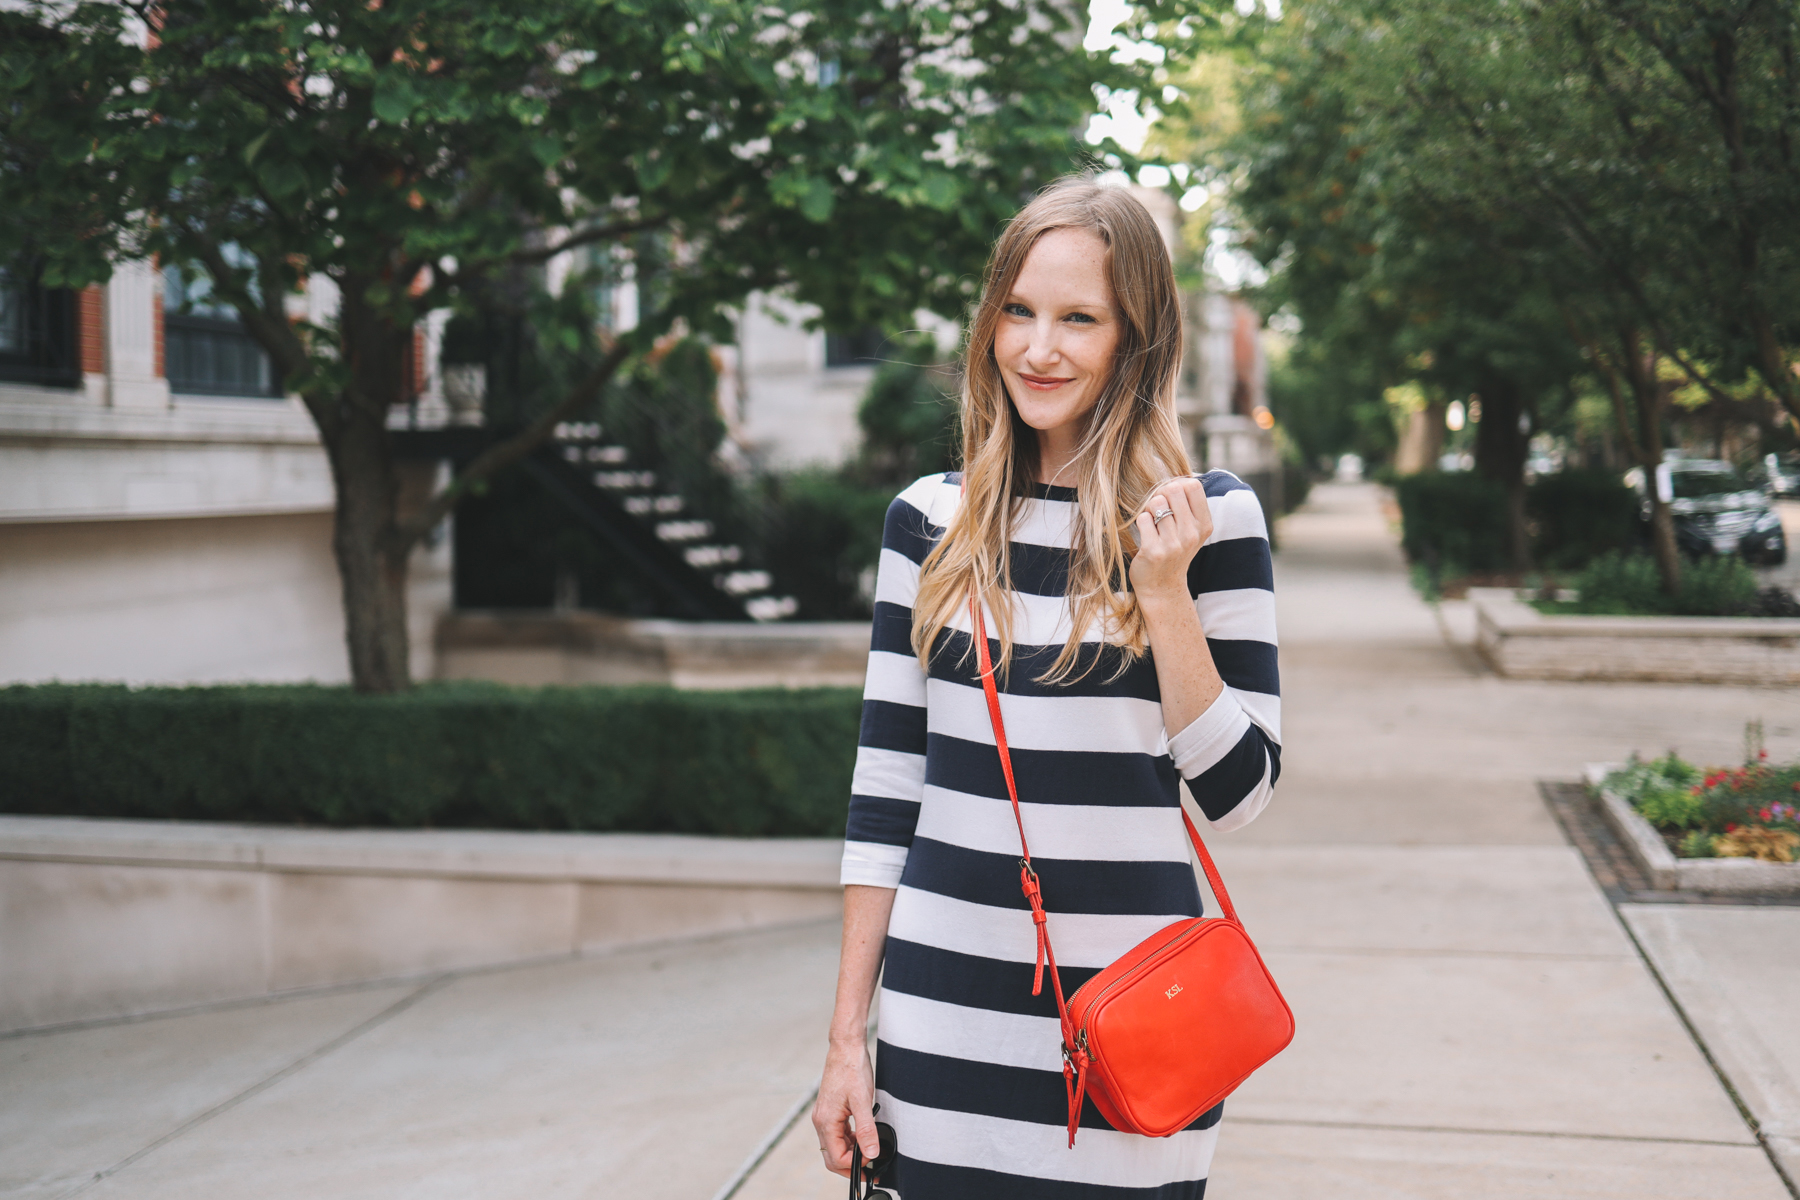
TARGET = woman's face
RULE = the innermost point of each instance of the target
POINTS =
(1057, 333)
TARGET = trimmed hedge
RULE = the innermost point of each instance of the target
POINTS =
(1580, 514)
(1453, 522)
(465, 755)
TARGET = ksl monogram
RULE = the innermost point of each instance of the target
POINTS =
(1171, 992)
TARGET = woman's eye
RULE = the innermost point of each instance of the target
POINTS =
(1016, 310)
(1081, 318)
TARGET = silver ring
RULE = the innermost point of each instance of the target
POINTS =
(1157, 517)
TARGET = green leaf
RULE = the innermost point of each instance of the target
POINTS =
(941, 190)
(394, 96)
(817, 201)
(547, 150)
(255, 146)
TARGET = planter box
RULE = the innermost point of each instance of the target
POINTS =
(1737, 876)
(1522, 643)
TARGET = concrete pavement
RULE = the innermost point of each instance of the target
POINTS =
(1474, 1020)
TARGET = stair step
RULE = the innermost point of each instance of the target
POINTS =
(622, 481)
(712, 556)
(662, 506)
(683, 531)
(771, 608)
(742, 583)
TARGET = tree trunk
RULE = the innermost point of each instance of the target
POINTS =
(1502, 444)
(371, 564)
(1651, 398)
(366, 538)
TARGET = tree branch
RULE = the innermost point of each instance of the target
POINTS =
(504, 454)
(599, 233)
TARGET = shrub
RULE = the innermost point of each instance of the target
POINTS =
(1749, 811)
(1627, 584)
(1672, 807)
(1578, 515)
(1453, 522)
(470, 755)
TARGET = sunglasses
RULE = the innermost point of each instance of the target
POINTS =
(865, 1176)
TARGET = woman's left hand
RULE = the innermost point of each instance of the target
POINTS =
(1168, 546)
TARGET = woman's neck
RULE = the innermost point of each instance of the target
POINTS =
(1057, 455)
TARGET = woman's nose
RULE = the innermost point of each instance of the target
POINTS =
(1045, 346)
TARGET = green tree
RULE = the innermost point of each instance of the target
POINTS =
(857, 152)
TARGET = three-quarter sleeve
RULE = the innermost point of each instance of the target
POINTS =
(1230, 755)
(890, 755)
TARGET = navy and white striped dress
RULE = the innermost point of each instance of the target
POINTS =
(968, 1064)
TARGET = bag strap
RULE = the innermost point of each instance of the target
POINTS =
(1028, 876)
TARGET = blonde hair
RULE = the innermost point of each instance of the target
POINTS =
(1132, 443)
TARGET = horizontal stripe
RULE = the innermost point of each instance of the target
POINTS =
(1056, 776)
(1116, 834)
(971, 980)
(895, 678)
(894, 773)
(1223, 786)
(1081, 939)
(896, 580)
(907, 531)
(1247, 666)
(939, 1182)
(1209, 736)
(1247, 809)
(891, 632)
(1231, 563)
(1095, 724)
(1104, 1158)
(1096, 672)
(1071, 887)
(881, 819)
(979, 1088)
(871, 865)
(977, 1034)
(1243, 614)
(889, 726)
(1265, 710)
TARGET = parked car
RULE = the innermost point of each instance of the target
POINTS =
(1780, 473)
(1716, 510)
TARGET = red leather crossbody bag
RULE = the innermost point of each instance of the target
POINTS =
(1176, 1024)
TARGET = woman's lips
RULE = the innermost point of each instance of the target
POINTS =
(1043, 383)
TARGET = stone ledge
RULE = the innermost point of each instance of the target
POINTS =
(537, 648)
(1733, 876)
(644, 858)
(1520, 642)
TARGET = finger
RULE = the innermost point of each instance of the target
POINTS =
(1146, 531)
(866, 1135)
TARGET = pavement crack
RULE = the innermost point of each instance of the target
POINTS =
(1531, 1133)
(262, 1085)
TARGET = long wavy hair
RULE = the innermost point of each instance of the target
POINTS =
(1131, 445)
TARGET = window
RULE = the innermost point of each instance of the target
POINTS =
(37, 333)
(854, 349)
(205, 349)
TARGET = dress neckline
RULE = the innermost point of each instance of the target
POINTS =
(1050, 491)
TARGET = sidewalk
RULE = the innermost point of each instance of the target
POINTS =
(1474, 1021)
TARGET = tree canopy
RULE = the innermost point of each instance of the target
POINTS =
(401, 154)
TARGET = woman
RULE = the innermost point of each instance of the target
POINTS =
(1075, 481)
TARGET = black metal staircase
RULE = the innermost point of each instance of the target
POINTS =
(627, 511)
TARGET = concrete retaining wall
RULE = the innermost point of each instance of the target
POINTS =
(106, 919)
(583, 647)
(1522, 643)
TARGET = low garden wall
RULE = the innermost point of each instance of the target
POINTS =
(593, 648)
(103, 919)
(166, 847)
(1520, 642)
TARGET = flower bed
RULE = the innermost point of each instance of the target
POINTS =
(1752, 811)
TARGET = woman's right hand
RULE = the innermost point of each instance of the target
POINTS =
(846, 1090)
